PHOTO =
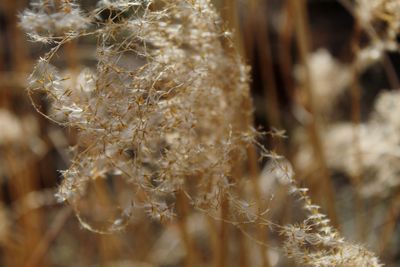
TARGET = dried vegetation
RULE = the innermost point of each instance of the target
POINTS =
(146, 112)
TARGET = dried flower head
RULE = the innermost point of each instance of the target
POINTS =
(166, 105)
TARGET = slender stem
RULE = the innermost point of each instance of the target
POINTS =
(392, 217)
(356, 119)
(182, 209)
(285, 41)
(221, 254)
(266, 61)
(303, 43)
(254, 174)
(44, 245)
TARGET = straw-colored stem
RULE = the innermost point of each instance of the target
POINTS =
(285, 42)
(71, 55)
(356, 119)
(303, 43)
(222, 252)
(24, 176)
(391, 218)
(183, 210)
(249, 29)
(43, 247)
(266, 62)
(23, 181)
(254, 174)
(230, 16)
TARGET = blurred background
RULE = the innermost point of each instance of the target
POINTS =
(321, 79)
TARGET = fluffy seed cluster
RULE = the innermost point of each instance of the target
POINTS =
(165, 109)
(323, 66)
(50, 19)
(379, 143)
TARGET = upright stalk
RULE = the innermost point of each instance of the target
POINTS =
(303, 44)
(356, 119)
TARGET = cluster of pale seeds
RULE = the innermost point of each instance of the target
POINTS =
(173, 117)
(166, 109)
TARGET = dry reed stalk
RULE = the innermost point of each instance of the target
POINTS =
(110, 245)
(51, 234)
(356, 119)
(222, 252)
(303, 42)
(230, 14)
(263, 44)
(238, 174)
(254, 173)
(285, 41)
(212, 226)
(26, 179)
(182, 213)
(257, 39)
(391, 220)
(71, 55)
(248, 31)
(243, 260)
(19, 53)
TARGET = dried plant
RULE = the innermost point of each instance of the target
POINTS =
(174, 114)
(167, 112)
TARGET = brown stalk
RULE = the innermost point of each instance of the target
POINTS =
(249, 27)
(254, 174)
(356, 119)
(263, 44)
(182, 212)
(24, 179)
(109, 244)
(222, 252)
(230, 16)
(303, 44)
(214, 235)
(237, 177)
(43, 246)
(259, 38)
(391, 220)
(268, 76)
(285, 42)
